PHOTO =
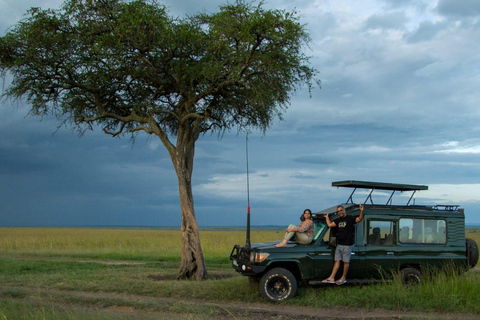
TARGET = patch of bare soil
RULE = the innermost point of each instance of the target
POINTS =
(212, 275)
(104, 262)
(239, 311)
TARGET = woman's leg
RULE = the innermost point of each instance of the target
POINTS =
(302, 238)
(287, 237)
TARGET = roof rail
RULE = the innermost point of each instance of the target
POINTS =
(447, 207)
(378, 186)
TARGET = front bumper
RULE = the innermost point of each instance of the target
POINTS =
(240, 257)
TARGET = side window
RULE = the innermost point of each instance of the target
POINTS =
(380, 233)
(422, 231)
(318, 229)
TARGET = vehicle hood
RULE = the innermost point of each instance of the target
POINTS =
(270, 246)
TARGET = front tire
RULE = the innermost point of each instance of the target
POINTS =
(278, 284)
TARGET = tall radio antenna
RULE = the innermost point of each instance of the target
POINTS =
(247, 244)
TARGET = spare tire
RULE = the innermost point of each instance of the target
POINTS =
(471, 253)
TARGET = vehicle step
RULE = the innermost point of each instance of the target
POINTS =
(351, 282)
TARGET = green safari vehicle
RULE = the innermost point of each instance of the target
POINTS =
(391, 238)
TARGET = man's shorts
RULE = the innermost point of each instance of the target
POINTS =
(343, 253)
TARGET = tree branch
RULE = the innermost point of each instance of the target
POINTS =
(114, 134)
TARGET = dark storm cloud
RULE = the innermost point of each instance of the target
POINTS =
(68, 178)
(459, 9)
(425, 31)
(20, 160)
(401, 3)
(304, 176)
(190, 7)
(321, 160)
(392, 20)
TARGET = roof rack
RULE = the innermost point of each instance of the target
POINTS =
(378, 186)
(446, 207)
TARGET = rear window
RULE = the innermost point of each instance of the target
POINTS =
(422, 231)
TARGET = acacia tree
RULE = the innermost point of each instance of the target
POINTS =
(129, 67)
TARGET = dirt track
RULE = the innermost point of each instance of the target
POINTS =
(229, 310)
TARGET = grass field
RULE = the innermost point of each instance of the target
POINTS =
(43, 272)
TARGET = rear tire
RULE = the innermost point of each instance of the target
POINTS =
(278, 284)
(472, 253)
(410, 276)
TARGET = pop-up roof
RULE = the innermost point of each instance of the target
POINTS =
(378, 186)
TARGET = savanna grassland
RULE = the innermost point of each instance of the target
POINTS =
(67, 273)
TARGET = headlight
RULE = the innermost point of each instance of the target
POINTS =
(261, 256)
(258, 257)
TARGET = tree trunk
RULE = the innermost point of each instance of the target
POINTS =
(193, 262)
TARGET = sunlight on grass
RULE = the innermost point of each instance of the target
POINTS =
(473, 233)
(149, 244)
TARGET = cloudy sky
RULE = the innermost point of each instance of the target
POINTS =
(399, 102)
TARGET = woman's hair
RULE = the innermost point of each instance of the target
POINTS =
(302, 217)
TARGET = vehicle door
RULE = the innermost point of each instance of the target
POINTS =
(357, 260)
(380, 246)
(323, 253)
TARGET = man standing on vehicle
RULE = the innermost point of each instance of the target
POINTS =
(345, 227)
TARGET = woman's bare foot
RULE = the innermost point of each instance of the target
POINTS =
(281, 244)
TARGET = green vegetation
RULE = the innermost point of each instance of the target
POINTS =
(107, 273)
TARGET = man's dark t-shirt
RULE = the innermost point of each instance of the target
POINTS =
(345, 230)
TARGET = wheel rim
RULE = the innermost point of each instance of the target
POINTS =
(277, 287)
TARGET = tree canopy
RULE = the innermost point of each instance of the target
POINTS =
(129, 67)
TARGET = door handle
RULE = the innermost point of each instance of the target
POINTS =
(390, 253)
